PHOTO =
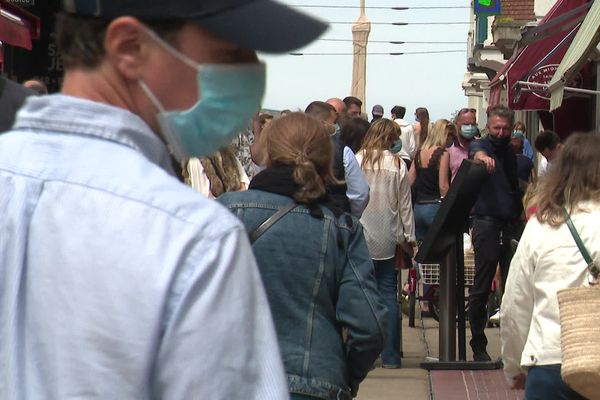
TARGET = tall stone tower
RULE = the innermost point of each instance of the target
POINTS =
(360, 36)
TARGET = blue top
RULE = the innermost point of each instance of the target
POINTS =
(319, 279)
(357, 185)
(527, 149)
(500, 196)
(116, 280)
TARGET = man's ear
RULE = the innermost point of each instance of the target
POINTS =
(127, 45)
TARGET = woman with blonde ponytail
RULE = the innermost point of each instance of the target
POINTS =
(314, 263)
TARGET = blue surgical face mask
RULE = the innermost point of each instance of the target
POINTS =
(229, 95)
(397, 147)
(518, 134)
(469, 131)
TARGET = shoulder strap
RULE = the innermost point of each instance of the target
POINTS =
(271, 221)
(593, 268)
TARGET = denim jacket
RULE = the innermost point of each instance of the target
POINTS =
(319, 279)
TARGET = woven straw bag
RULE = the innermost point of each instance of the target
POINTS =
(580, 329)
(580, 333)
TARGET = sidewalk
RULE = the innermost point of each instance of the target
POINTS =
(412, 382)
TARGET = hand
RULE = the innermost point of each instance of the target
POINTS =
(344, 335)
(519, 382)
(489, 162)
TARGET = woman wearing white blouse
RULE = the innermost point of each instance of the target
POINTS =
(387, 220)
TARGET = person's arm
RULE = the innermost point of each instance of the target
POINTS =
(417, 132)
(405, 210)
(479, 153)
(218, 328)
(412, 174)
(444, 173)
(254, 149)
(244, 180)
(357, 187)
(359, 310)
(517, 309)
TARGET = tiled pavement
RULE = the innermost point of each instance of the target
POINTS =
(460, 385)
(413, 382)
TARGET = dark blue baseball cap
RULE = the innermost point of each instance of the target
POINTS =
(263, 25)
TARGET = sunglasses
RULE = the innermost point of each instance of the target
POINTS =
(467, 110)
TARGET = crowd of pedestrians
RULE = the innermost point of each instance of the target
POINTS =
(118, 281)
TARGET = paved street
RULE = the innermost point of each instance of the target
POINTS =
(412, 382)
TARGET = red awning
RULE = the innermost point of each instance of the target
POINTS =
(17, 26)
(538, 61)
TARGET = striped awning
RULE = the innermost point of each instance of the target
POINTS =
(17, 26)
(583, 44)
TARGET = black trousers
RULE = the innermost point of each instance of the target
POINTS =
(491, 242)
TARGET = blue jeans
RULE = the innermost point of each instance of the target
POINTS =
(544, 383)
(387, 282)
(424, 215)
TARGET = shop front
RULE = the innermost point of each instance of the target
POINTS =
(41, 60)
(526, 76)
(18, 28)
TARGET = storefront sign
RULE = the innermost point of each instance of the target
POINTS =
(544, 75)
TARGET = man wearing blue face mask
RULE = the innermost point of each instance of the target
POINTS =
(466, 130)
(116, 280)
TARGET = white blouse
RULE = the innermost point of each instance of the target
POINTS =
(388, 218)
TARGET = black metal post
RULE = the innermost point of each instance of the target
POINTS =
(447, 301)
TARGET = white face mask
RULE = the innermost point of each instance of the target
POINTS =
(229, 95)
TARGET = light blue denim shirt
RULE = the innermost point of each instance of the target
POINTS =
(116, 280)
(358, 187)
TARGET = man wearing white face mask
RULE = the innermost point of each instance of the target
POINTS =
(116, 280)
(466, 130)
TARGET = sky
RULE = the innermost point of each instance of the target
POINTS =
(418, 80)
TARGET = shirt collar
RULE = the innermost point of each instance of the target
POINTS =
(72, 115)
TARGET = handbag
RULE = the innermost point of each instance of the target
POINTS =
(403, 256)
(579, 310)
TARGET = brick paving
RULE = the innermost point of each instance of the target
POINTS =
(413, 382)
(471, 385)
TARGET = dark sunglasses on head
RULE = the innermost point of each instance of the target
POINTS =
(466, 110)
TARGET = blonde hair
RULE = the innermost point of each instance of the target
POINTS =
(438, 137)
(300, 141)
(520, 124)
(381, 136)
(574, 178)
